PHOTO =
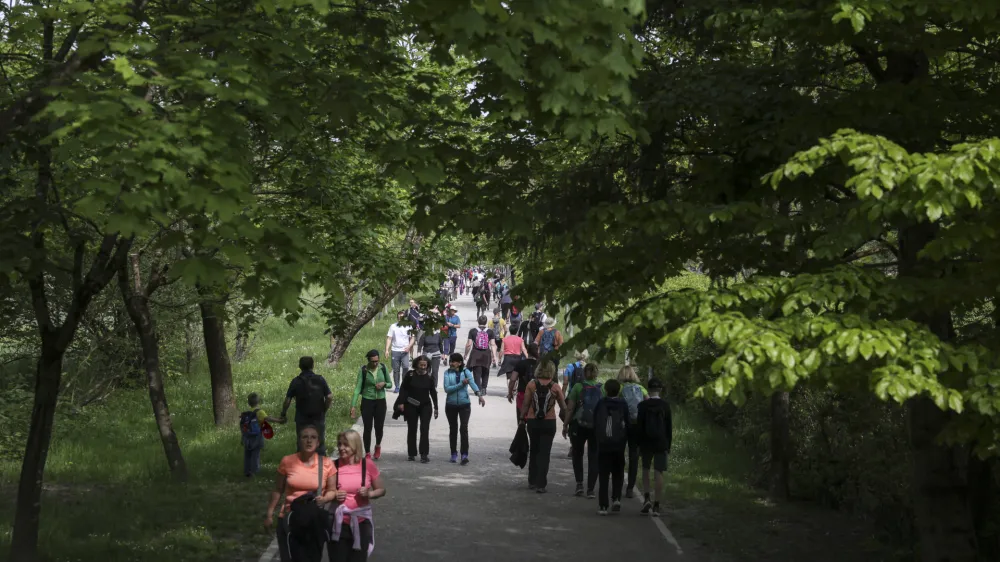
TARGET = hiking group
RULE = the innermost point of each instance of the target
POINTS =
(327, 503)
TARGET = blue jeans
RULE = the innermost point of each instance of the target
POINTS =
(400, 364)
(251, 460)
(452, 343)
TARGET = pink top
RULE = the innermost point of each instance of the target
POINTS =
(349, 480)
(512, 345)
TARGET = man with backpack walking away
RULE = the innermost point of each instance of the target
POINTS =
(611, 429)
(581, 410)
(312, 399)
(656, 431)
(535, 322)
(549, 341)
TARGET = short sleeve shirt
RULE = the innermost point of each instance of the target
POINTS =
(349, 481)
(400, 337)
(298, 391)
(453, 320)
(301, 478)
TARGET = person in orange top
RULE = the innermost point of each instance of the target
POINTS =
(298, 474)
(539, 413)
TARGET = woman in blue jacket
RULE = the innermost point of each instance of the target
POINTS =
(457, 379)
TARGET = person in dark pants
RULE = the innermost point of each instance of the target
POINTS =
(458, 407)
(416, 396)
(431, 344)
(312, 399)
(539, 413)
(612, 428)
(373, 377)
(481, 353)
(583, 397)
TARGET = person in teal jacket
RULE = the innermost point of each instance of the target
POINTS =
(457, 380)
(373, 377)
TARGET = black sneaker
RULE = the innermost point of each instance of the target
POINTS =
(540, 491)
(579, 489)
(656, 509)
(411, 459)
(591, 495)
(646, 507)
(532, 487)
(616, 506)
(629, 493)
(424, 459)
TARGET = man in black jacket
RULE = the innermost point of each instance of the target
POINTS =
(655, 428)
(312, 399)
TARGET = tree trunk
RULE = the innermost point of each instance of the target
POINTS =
(137, 304)
(941, 504)
(781, 450)
(339, 344)
(24, 543)
(219, 367)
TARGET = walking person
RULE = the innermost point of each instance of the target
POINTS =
(655, 429)
(369, 391)
(416, 396)
(633, 394)
(454, 323)
(512, 350)
(399, 342)
(416, 317)
(574, 371)
(499, 327)
(611, 429)
(253, 422)
(481, 353)
(458, 407)
(307, 480)
(506, 302)
(539, 413)
(431, 345)
(582, 406)
(358, 482)
(549, 341)
(520, 376)
(312, 399)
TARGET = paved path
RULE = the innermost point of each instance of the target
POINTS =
(484, 512)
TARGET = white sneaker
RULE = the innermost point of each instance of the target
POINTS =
(602, 511)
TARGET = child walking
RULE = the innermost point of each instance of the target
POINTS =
(251, 429)
(655, 428)
(611, 425)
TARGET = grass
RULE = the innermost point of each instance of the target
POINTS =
(108, 495)
(711, 503)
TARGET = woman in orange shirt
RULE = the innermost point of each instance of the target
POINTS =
(299, 474)
(539, 412)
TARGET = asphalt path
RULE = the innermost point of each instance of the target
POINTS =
(484, 511)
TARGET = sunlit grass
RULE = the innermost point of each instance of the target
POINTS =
(109, 496)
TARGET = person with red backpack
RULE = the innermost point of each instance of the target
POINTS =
(481, 353)
(580, 422)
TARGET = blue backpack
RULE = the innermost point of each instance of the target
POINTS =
(548, 342)
(589, 399)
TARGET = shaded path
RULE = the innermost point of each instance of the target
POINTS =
(485, 510)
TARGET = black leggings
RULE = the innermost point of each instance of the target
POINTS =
(414, 414)
(579, 438)
(372, 414)
(633, 457)
(505, 308)
(343, 550)
(482, 377)
(455, 414)
(612, 467)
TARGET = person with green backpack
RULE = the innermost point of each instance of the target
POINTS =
(581, 408)
(373, 377)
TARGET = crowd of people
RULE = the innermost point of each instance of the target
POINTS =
(327, 502)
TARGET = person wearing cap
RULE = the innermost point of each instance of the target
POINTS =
(373, 377)
(454, 323)
(549, 341)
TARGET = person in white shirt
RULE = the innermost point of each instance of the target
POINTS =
(399, 340)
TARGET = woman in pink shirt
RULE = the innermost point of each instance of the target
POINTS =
(358, 482)
(512, 350)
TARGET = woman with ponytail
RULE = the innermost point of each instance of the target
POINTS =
(458, 407)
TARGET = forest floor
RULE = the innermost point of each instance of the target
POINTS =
(108, 495)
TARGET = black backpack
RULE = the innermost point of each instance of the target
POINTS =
(543, 399)
(312, 403)
(612, 426)
(308, 524)
(655, 427)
